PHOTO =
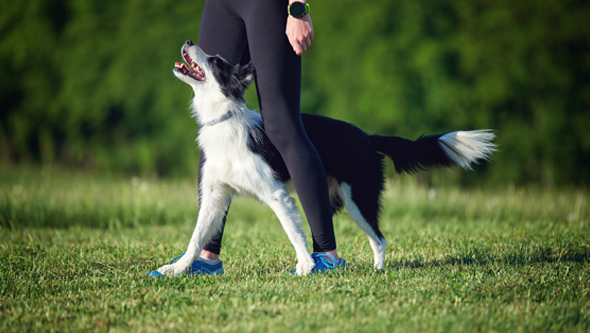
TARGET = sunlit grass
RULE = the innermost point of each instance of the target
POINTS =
(75, 249)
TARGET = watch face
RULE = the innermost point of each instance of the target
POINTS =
(297, 9)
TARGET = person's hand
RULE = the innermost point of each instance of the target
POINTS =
(300, 33)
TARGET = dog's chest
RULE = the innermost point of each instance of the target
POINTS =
(229, 160)
(224, 148)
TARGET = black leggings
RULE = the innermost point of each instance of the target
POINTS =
(244, 30)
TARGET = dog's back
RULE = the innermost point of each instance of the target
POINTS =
(353, 162)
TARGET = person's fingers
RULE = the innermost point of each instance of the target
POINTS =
(295, 44)
(303, 47)
(297, 48)
(299, 33)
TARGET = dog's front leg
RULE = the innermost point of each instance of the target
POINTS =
(214, 204)
(288, 214)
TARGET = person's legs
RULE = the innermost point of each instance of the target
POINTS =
(227, 28)
(222, 32)
(278, 81)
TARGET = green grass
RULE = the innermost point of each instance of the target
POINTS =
(75, 249)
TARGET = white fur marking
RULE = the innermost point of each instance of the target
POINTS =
(467, 147)
(377, 244)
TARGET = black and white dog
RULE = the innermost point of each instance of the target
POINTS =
(241, 160)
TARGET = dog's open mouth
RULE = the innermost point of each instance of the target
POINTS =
(193, 70)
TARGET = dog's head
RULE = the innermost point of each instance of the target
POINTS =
(212, 75)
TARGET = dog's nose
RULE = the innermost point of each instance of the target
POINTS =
(189, 42)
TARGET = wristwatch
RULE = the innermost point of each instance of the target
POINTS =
(298, 9)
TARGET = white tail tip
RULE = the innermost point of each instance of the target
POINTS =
(467, 147)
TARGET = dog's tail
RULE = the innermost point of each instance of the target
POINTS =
(461, 148)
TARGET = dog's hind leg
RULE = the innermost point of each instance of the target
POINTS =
(211, 212)
(284, 207)
(371, 229)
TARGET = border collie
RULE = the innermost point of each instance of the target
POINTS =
(242, 161)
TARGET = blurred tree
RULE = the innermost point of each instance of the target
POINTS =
(89, 83)
(30, 79)
(409, 67)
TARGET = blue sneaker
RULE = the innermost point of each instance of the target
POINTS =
(324, 262)
(197, 268)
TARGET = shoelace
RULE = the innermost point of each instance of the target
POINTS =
(327, 263)
(176, 258)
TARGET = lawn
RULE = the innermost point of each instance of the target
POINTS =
(75, 249)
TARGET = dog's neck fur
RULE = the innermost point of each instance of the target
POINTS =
(209, 113)
(229, 119)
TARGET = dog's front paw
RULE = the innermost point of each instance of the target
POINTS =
(174, 269)
(305, 267)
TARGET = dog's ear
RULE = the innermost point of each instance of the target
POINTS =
(238, 80)
(245, 73)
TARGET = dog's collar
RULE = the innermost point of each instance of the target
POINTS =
(225, 117)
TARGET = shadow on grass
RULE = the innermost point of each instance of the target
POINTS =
(545, 255)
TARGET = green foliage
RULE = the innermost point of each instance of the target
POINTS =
(457, 260)
(413, 67)
(89, 84)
